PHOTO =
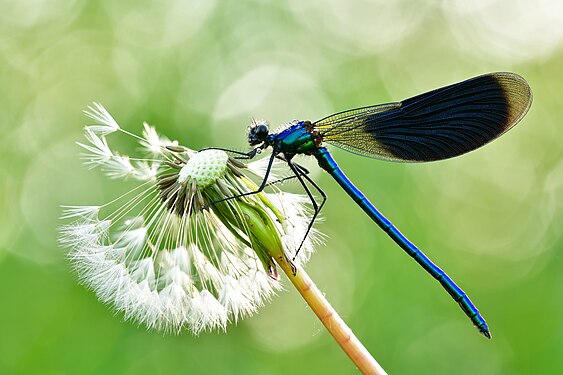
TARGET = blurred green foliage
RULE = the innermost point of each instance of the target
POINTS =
(199, 70)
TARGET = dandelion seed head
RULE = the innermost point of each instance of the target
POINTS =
(205, 167)
(164, 254)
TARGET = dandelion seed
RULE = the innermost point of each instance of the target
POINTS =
(99, 152)
(153, 142)
(105, 124)
(162, 254)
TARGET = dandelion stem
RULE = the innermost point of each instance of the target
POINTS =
(343, 335)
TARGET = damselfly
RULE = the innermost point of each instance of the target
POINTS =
(436, 125)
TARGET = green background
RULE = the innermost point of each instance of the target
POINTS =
(199, 70)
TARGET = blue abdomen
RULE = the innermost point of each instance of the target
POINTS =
(327, 163)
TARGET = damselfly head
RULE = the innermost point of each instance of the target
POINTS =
(258, 132)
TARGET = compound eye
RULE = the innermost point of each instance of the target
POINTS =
(261, 132)
(258, 133)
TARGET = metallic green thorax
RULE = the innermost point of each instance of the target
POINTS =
(297, 139)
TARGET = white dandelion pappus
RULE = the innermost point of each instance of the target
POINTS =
(105, 123)
(163, 256)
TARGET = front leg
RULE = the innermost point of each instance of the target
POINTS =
(242, 155)
(260, 188)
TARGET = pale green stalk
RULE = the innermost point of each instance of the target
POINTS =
(261, 229)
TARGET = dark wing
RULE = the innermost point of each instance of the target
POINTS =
(436, 125)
